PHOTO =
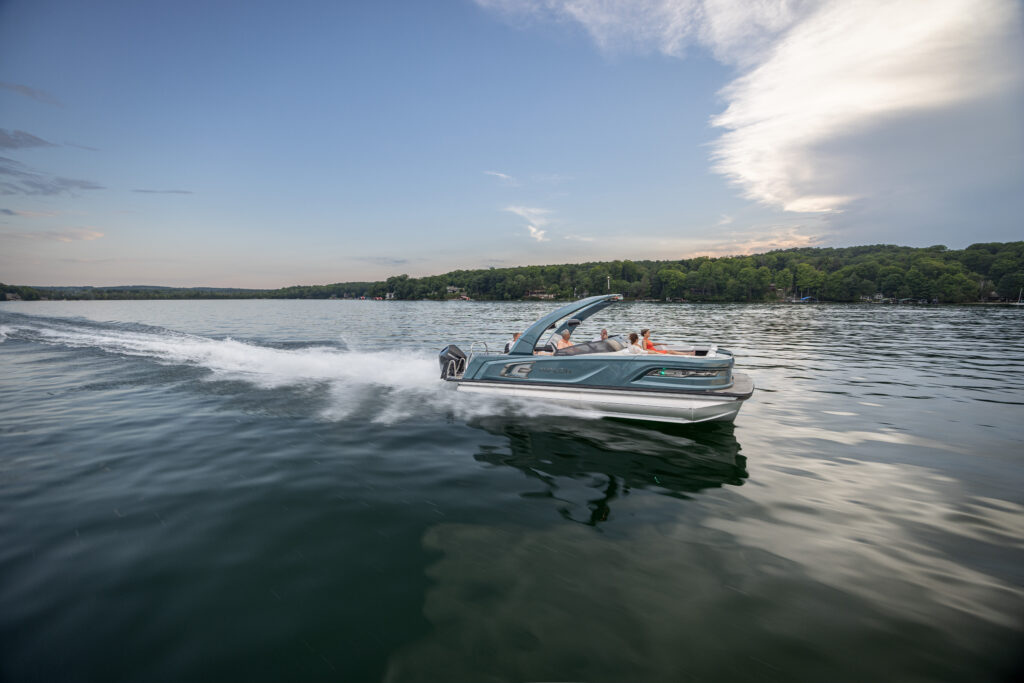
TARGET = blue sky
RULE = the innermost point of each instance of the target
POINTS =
(268, 144)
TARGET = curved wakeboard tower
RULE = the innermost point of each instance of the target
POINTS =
(568, 316)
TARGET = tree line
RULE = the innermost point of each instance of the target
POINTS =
(980, 272)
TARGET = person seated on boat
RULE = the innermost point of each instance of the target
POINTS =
(652, 347)
(602, 336)
(564, 342)
(511, 342)
(634, 345)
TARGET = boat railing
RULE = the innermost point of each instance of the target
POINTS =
(479, 349)
(482, 349)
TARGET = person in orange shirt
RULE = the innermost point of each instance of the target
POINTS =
(652, 347)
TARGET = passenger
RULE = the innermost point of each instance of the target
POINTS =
(634, 345)
(509, 344)
(564, 342)
(602, 336)
(652, 347)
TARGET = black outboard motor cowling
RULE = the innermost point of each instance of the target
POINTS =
(452, 360)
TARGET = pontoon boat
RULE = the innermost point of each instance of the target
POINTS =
(603, 376)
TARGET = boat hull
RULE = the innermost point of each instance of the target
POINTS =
(657, 406)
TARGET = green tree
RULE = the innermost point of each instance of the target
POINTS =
(673, 283)
(1010, 285)
(917, 285)
(808, 279)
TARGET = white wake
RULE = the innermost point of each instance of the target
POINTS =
(381, 386)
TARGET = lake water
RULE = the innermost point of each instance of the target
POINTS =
(283, 490)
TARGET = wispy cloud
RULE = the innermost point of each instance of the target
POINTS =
(383, 260)
(735, 30)
(19, 139)
(27, 214)
(34, 93)
(535, 218)
(164, 191)
(70, 235)
(812, 73)
(503, 177)
(531, 214)
(16, 178)
(759, 240)
(755, 239)
(85, 147)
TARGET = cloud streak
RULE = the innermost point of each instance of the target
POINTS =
(382, 260)
(71, 235)
(18, 179)
(19, 139)
(85, 147)
(812, 73)
(33, 93)
(503, 177)
(27, 214)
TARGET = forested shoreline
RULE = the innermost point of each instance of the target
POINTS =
(981, 272)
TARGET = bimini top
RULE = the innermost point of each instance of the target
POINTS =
(577, 310)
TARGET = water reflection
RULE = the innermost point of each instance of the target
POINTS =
(612, 458)
(667, 602)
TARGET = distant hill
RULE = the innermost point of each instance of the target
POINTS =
(981, 272)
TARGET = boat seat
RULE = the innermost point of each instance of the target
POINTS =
(609, 345)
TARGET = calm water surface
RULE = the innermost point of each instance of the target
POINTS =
(282, 490)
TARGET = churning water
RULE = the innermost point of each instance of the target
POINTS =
(268, 490)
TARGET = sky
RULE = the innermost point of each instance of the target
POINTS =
(259, 144)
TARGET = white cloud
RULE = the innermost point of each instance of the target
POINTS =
(813, 74)
(757, 240)
(843, 70)
(70, 235)
(536, 219)
(533, 215)
(734, 30)
(503, 177)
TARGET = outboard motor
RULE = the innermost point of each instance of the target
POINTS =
(452, 360)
